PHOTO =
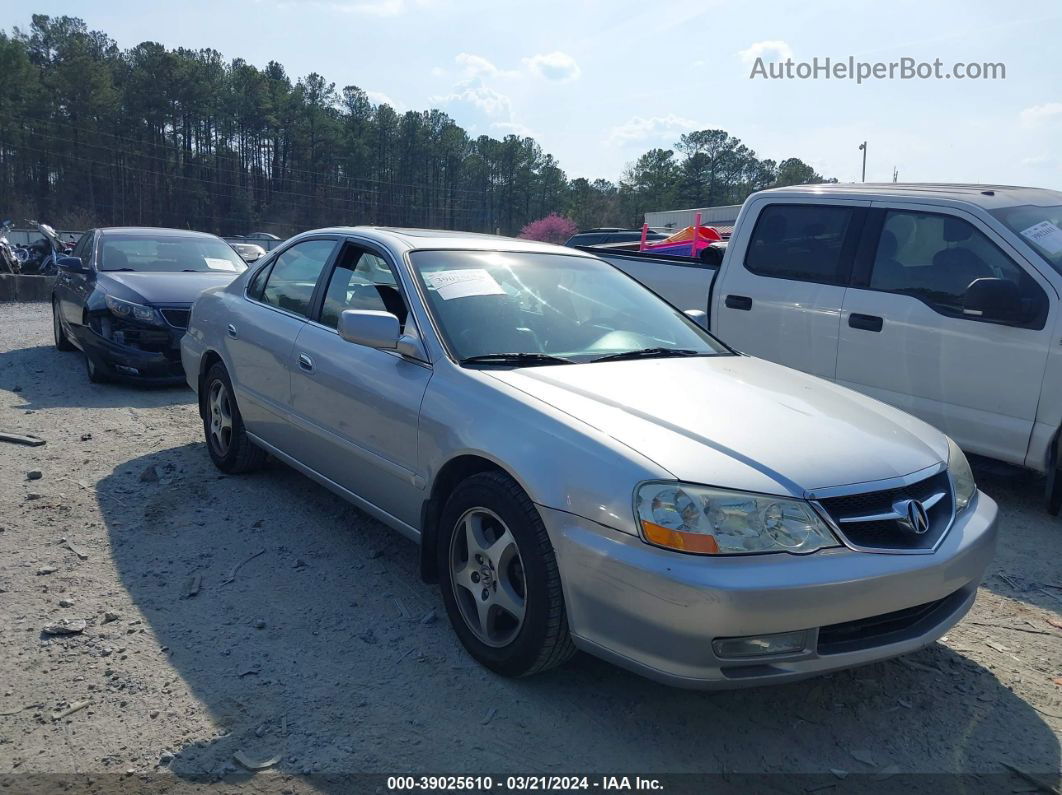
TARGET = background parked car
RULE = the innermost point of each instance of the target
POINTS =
(604, 235)
(251, 252)
(124, 296)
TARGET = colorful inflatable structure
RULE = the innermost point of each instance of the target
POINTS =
(686, 242)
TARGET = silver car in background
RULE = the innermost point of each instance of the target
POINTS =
(584, 466)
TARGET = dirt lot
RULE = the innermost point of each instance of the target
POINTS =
(261, 614)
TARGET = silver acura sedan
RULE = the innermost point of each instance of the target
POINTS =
(583, 466)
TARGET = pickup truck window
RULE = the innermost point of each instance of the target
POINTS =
(935, 258)
(800, 241)
(1039, 227)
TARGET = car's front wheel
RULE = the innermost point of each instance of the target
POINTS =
(61, 341)
(226, 439)
(500, 580)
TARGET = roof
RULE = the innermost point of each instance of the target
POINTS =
(983, 195)
(412, 239)
(155, 231)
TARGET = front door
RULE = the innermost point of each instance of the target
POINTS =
(908, 339)
(783, 301)
(359, 407)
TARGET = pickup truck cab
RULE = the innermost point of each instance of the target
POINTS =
(942, 300)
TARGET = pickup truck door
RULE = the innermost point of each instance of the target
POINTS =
(780, 290)
(908, 339)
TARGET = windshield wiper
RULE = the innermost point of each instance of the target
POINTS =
(118, 270)
(649, 353)
(516, 358)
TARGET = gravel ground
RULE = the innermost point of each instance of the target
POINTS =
(262, 615)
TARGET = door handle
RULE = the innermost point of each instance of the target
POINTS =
(231, 329)
(305, 362)
(739, 302)
(865, 322)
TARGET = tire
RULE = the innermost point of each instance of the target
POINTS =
(226, 438)
(96, 374)
(61, 341)
(1053, 492)
(518, 567)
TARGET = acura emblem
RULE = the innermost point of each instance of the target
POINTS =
(914, 516)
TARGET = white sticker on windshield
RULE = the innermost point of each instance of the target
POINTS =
(219, 264)
(463, 283)
(1046, 235)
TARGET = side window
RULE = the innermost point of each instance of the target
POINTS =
(936, 257)
(800, 241)
(254, 289)
(293, 277)
(361, 280)
(83, 247)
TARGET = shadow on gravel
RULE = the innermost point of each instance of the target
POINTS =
(1026, 567)
(46, 378)
(302, 628)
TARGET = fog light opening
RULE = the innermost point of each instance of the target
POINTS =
(761, 645)
(124, 370)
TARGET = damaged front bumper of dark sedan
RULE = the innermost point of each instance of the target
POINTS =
(130, 348)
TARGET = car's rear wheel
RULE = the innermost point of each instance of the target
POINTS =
(226, 439)
(61, 341)
(500, 580)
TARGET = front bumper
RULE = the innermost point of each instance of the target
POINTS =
(135, 364)
(657, 612)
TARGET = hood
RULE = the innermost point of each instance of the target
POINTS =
(738, 422)
(164, 288)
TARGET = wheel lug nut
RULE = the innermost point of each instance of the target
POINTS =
(485, 594)
(475, 576)
(479, 558)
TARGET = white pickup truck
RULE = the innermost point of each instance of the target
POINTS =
(943, 300)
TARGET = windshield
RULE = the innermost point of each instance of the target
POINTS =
(549, 305)
(167, 253)
(1040, 227)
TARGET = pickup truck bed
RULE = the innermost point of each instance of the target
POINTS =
(684, 282)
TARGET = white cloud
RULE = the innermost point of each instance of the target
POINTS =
(478, 66)
(640, 128)
(556, 66)
(775, 50)
(515, 128)
(380, 98)
(1039, 114)
(489, 101)
(372, 8)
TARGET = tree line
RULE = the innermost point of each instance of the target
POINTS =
(91, 134)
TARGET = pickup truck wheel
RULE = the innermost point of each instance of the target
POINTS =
(1053, 493)
(226, 439)
(499, 578)
(61, 341)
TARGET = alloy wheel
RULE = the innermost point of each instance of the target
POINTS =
(220, 405)
(488, 577)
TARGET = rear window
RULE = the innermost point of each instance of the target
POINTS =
(800, 241)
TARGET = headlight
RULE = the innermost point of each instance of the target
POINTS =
(127, 310)
(962, 479)
(709, 521)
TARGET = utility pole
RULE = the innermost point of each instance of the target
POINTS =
(863, 146)
(895, 174)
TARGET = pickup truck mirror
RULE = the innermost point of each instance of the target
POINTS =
(370, 327)
(698, 316)
(71, 265)
(990, 298)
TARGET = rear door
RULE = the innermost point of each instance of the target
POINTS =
(782, 286)
(260, 334)
(358, 407)
(906, 338)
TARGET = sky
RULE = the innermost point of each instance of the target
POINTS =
(597, 83)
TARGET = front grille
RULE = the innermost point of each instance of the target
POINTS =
(893, 534)
(178, 318)
(886, 628)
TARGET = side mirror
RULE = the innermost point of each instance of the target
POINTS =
(990, 298)
(370, 327)
(71, 265)
(698, 316)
